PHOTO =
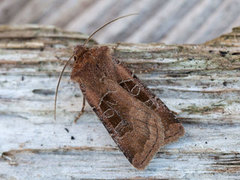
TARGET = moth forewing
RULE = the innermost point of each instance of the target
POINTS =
(130, 82)
(128, 110)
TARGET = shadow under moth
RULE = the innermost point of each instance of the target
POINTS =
(138, 121)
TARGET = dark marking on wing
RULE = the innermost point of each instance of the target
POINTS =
(136, 91)
(120, 125)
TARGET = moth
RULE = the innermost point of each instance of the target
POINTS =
(138, 121)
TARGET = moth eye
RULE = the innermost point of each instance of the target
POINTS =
(75, 58)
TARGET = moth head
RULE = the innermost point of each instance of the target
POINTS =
(78, 52)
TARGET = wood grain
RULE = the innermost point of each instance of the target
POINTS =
(171, 22)
(199, 82)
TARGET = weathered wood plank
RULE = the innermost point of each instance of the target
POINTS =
(199, 82)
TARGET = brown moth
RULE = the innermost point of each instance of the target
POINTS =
(138, 121)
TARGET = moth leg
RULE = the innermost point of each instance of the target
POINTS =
(82, 110)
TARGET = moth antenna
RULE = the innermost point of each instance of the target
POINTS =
(59, 80)
(90, 37)
(87, 40)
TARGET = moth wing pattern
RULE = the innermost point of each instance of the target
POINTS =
(137, 132)
(130, 82)
(136, 128)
